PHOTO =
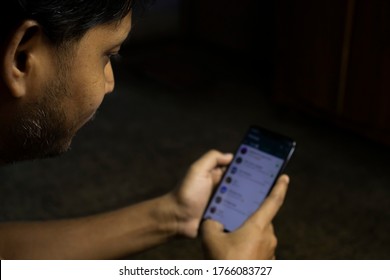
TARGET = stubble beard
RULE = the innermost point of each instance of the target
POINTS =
(41, 128)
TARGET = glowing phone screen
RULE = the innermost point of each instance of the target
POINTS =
(249, 178)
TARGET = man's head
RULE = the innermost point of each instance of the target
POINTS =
(55, 70)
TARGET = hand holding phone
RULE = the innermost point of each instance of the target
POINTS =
(258, 161)
(255, 239)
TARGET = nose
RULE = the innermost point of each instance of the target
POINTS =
(109, 78)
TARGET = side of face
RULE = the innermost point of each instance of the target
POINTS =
(91, 74)
(49, 93)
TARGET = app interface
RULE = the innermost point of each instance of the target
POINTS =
(248, 179)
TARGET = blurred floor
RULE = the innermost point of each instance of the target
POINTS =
(171, 105)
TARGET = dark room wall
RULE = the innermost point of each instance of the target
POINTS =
(332, 60)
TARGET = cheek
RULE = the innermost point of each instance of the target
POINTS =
(89, 89)
(84, 98)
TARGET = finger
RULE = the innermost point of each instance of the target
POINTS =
(211, 230)
(271, 205)
(211, 160)
(217, 173)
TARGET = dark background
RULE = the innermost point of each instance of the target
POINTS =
(194, 76)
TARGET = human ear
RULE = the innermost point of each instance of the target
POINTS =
(21, 57)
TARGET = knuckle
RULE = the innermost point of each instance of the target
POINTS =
(213, 152)
(194, 168)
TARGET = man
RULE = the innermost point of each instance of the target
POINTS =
(55, 72)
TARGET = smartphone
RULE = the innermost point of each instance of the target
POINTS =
(258, 161)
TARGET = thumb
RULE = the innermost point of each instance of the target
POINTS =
(211, 230)
(212, 235)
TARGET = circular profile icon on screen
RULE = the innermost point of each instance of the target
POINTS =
(223, 189)
(233, 170)
(239, 160)
(218, 199)
(244, 150)
(228, 180)
(213, 210)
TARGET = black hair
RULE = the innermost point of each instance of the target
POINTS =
(65, 20)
